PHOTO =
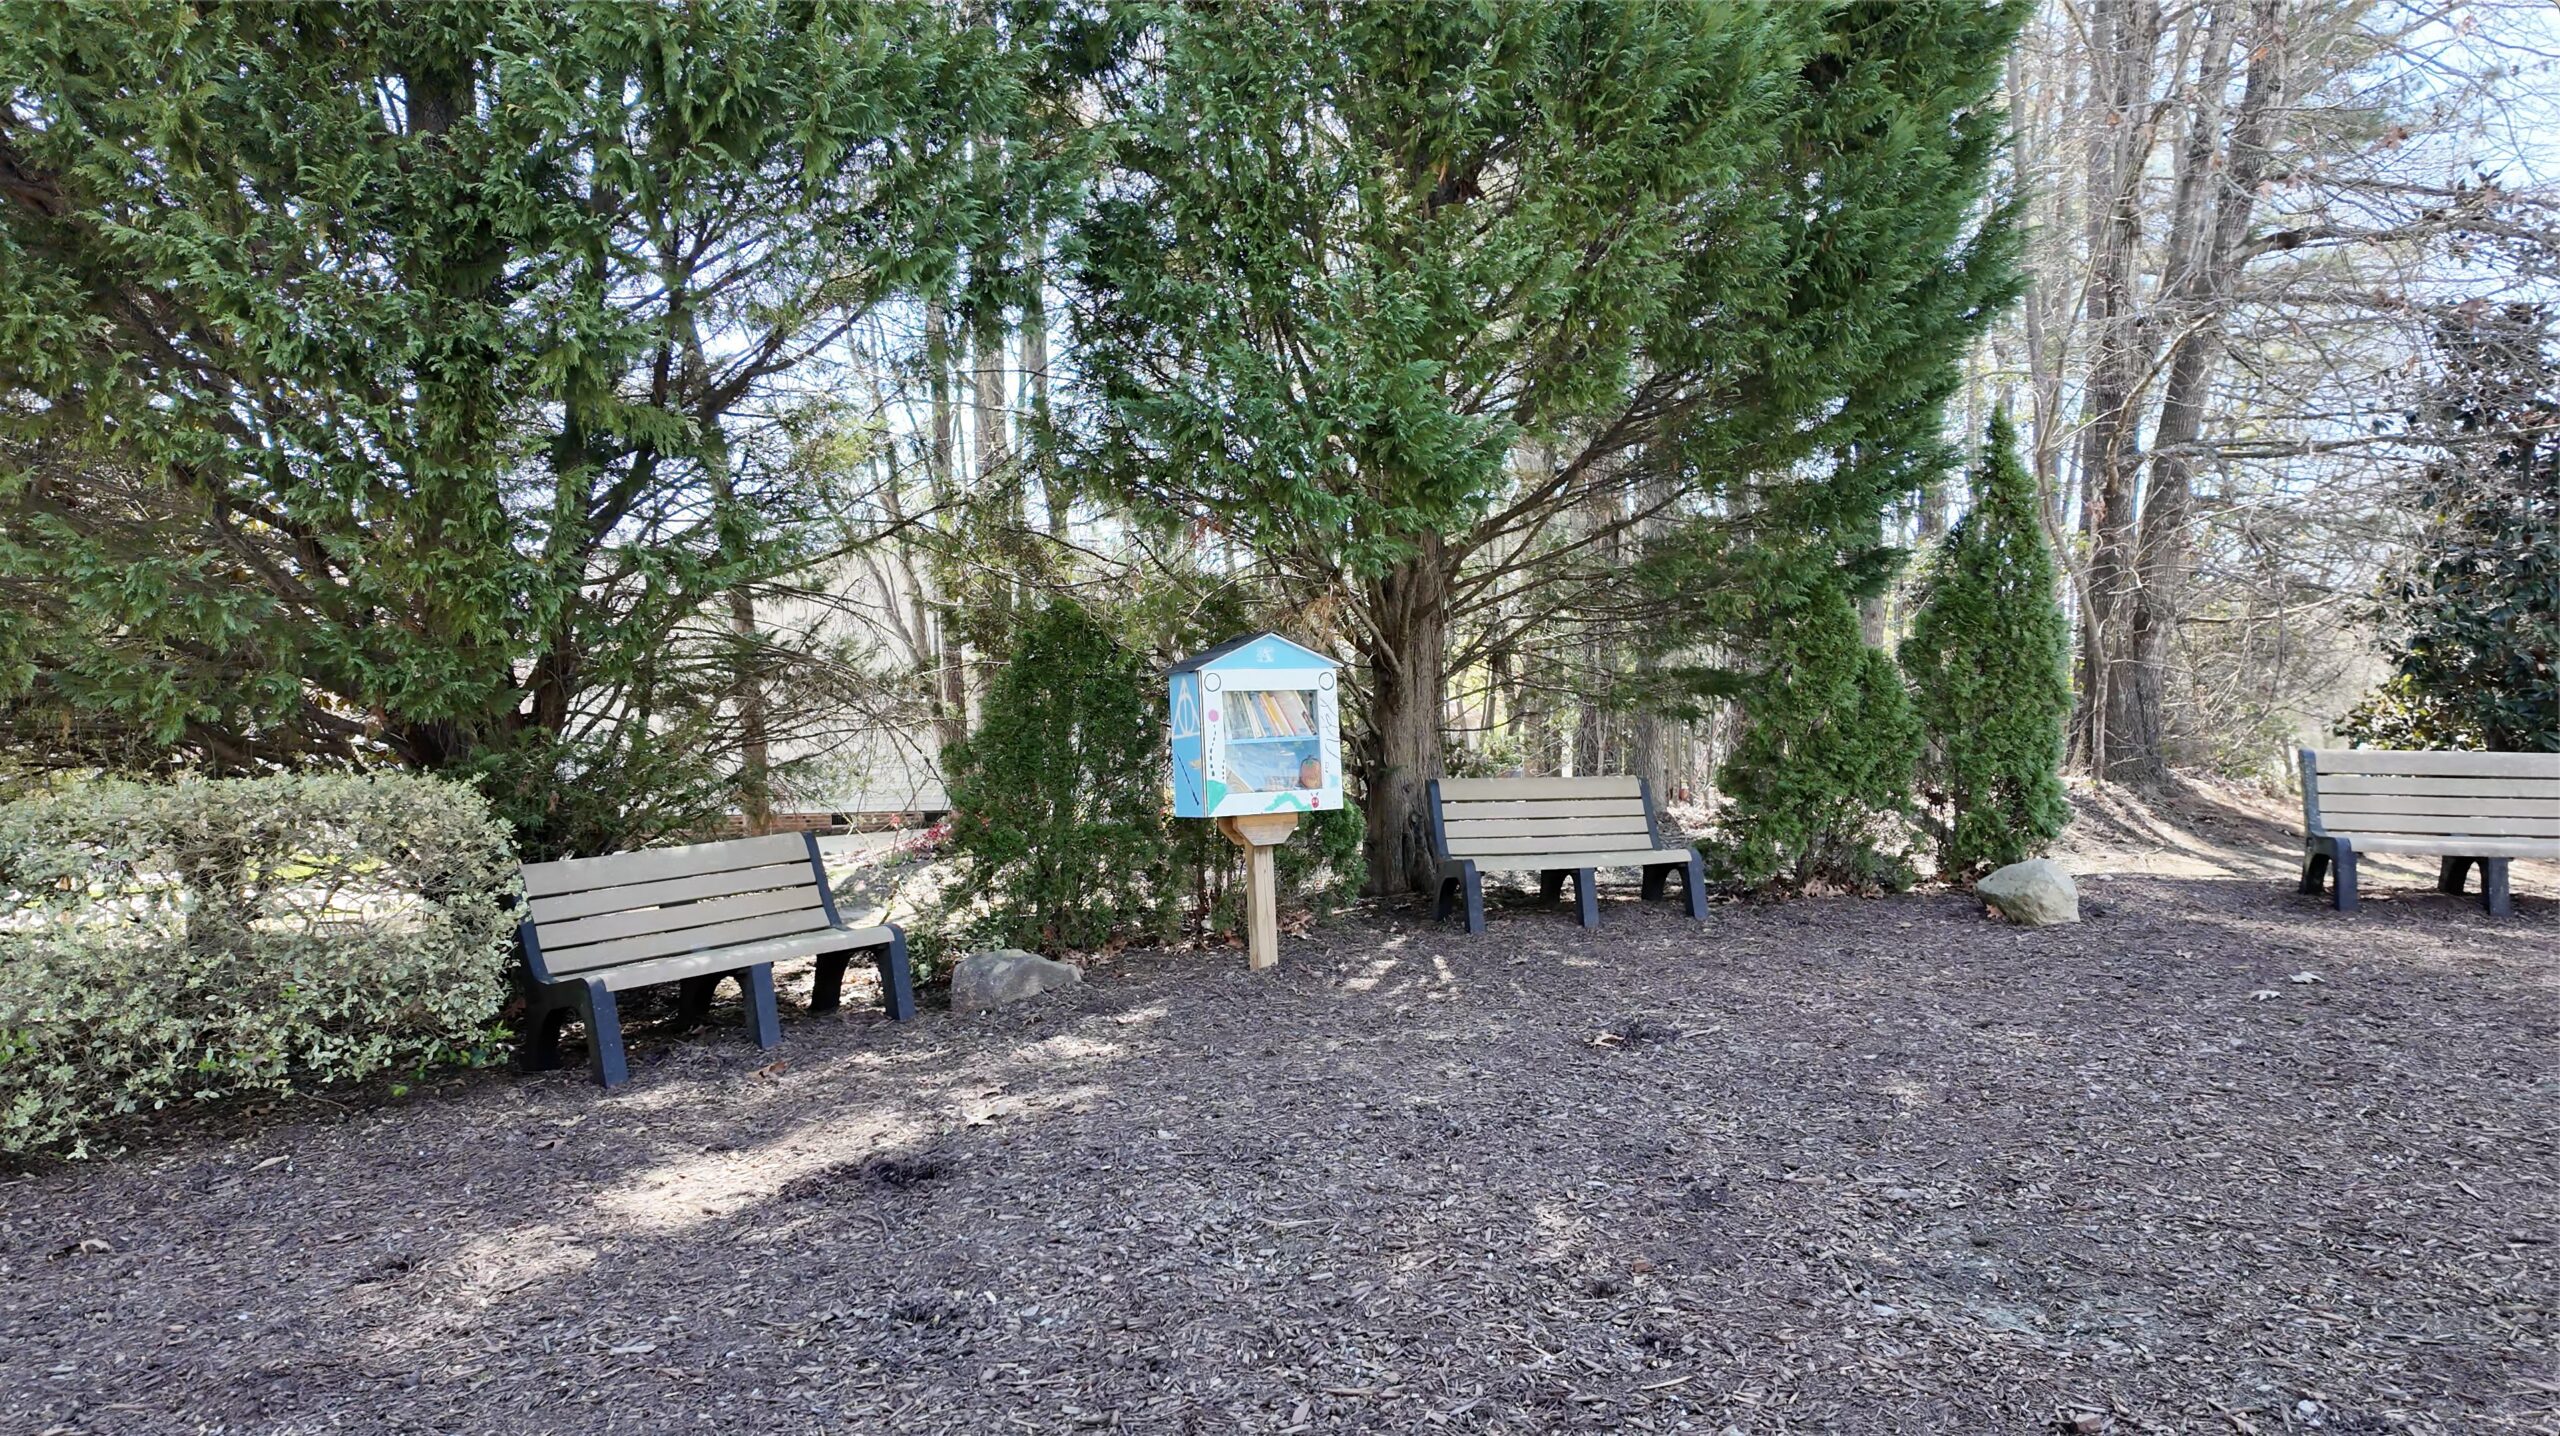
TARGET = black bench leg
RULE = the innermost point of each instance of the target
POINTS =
(897, 985)
(756, 985)
(539, 1051)
(1586, 895)
(1655, 879)
(2315, 866)
(604, 1035)
(693, 1001)
(1445, 898)
(1550, 884)
(1693, 884)
(826, 988)
(1474, 881)
(2343, 893)
(2450, 877)
(2493, 887)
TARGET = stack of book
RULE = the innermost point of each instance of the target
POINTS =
(1270, 713)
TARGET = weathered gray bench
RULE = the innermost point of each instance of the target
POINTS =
(1554, 827)
(690, 915)
(2468, 808)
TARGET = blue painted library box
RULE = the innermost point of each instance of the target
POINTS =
(1257, 728)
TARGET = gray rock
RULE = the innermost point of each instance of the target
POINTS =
(992, 979)
(2036, 893)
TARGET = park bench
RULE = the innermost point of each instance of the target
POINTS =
(690, 915)
(2467, 808)
(1554, 827)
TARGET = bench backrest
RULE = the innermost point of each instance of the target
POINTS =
(1494, 817)
(591, 913)
(2473, 795)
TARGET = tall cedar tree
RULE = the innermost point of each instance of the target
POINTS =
(2472, 612)
(1819, 782)
(384, 383)
(1381, 293)
(1988, 659)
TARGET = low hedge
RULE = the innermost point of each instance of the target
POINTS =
(170, 942)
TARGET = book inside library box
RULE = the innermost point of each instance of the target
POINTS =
(1271, 742)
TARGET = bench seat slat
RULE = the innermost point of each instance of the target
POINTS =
(2331, 804)
(693, 939)
(654, 864)
(645, 895)
(2337, 786)
(1459, 790)
(1551, 861)
(725, 959)
(1460, 829)
(2440, 825)
(1532, 842)
(565, 938)
(1541, 809)
(2386, 762)
(2465, 847)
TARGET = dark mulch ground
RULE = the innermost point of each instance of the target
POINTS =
(1835, 1166)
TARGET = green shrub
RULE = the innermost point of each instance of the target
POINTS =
(1988, 658)
(193, 940)
(1058, 830)
(1820, 781)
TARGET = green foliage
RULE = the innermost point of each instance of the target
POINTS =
(1819, 783)
(1386, 291)
(2472, 612)
(168, 943)
(1058, 835)
(2400, 714)
(1989, 659)
(397, 382)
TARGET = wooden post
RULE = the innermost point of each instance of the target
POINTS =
(1258, 834)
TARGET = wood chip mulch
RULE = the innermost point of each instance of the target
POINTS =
(2216, 1160)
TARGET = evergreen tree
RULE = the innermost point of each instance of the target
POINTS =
(1427, 303)
(396, 383)
(1819, 783)
(2472, 611)
(1988, 659)
(1058, 828)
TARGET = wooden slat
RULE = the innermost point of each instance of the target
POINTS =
(2450, 805)
(694, 964)
(1543, 808)
(2469, 847)
(2333, 785)
(1530, 862)
(1548, 843)
(2434, 823)
(1515, 789)
(1629, 824)
(581, 932)
(667, 944)
(655, 864)
(2449, 765)
(638, 895)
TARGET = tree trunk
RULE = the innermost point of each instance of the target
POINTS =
(1405, 651)
(951, 675)
(2124, 37)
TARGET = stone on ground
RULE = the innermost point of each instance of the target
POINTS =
(2035, 893)
(992, 979)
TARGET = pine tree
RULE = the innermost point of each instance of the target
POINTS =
(1407, 299)
(1819, 783)
(1058, 828)
(1988, 659)
(395, 384)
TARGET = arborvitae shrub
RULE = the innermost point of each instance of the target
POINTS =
(1988, 658)
(1058, 829)
(1819, 785)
